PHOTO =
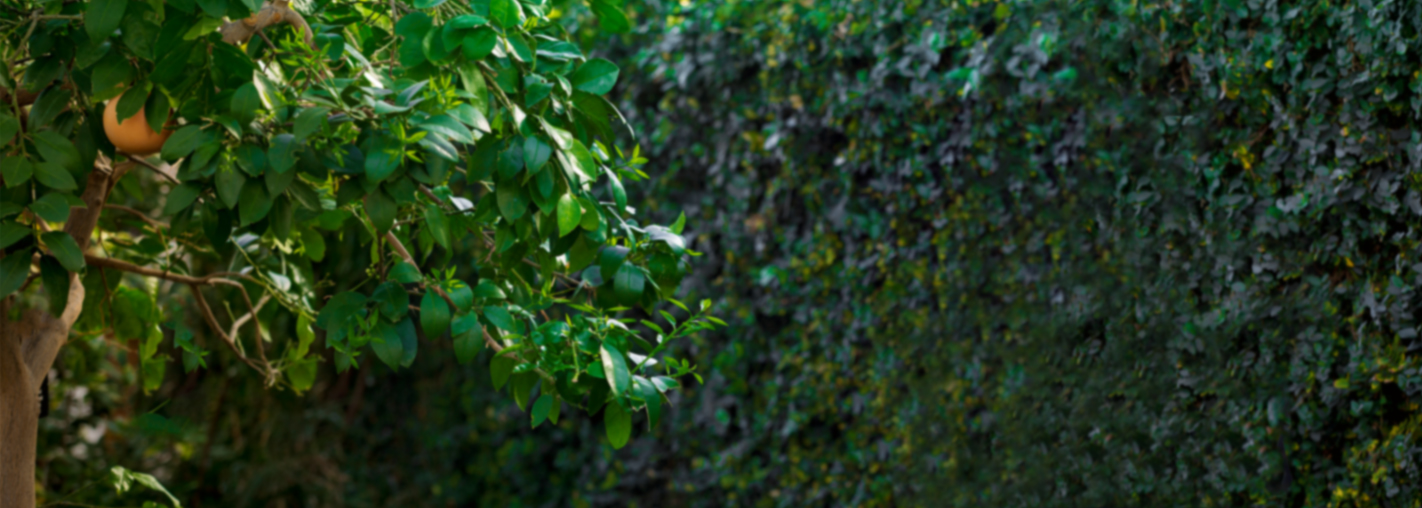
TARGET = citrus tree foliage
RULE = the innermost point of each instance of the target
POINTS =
(464, 153)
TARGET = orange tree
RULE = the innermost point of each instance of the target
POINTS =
(467, 147)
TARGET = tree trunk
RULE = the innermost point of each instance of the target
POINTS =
(28, 347)
(19, 418)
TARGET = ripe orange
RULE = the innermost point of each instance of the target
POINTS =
(133, 136)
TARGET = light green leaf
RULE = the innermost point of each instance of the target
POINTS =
(500, 317)
(597, 76)
(611, 17)
(615, 368)
(619, 425)
(570, 214)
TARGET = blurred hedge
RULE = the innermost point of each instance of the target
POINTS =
(1094, 253)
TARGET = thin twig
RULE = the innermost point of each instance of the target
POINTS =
(150, 165)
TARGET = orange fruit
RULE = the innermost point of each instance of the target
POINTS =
(133, 136)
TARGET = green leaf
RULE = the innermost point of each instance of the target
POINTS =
(488, 290)
(281, 156)
(313, 244)
(230, 183)
(9, 126)
(388, 343)
(428, 4)
(309, 121)
(434, 315)
(500, 317)
(629, 284)
(14, 269)
(499, 368)
(51, 207)
(460, 294)
(103, 16)
(591, 218)
(49, 105)
(570, 214)
(611, 258)
(381, 209)
(16, 170)
(468, 337)
(449, 128)
(437, 224)
(611, 16)
(384, 157)
(179, 198)
(535, 153)
(597, 76)
(63, 247)
(680, 223)
(246, 102)
(511, 199)
(615, 367)
(302, 374)
(619, 425)
(405, 273)
(506, 13)
(522, 384)
(156, 111)
(54, 176)
(477, 44)
(391, 301)
(11, 232)
(132, 101)
(253, 204)
(619, 194)
(277, 183)
(183, 142)
(56, 148)
(541, 408)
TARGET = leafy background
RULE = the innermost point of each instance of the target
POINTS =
(1083, 253)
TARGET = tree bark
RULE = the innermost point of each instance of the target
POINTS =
(28, 347)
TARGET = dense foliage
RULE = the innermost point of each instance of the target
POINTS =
(972, 254)
(382, 179)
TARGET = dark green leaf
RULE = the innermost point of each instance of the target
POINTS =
(11, 232)
(56, 148)
(49, 105)
(381, 210)
(63, 247)
(383, 157)
(488, 290)
(629, 283)
(54, 176)
(309, 121)
(541, 408)
(156, 110)
(253, 204)
(499, 368)
(103, 16)
(468, 338)
(388, 343)
(246, 103)
(184, 141)
(14, 269)
(16, 170)
(51, 207)
(434, 315)
(405, 273)
(230, 183)
(179, 198)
